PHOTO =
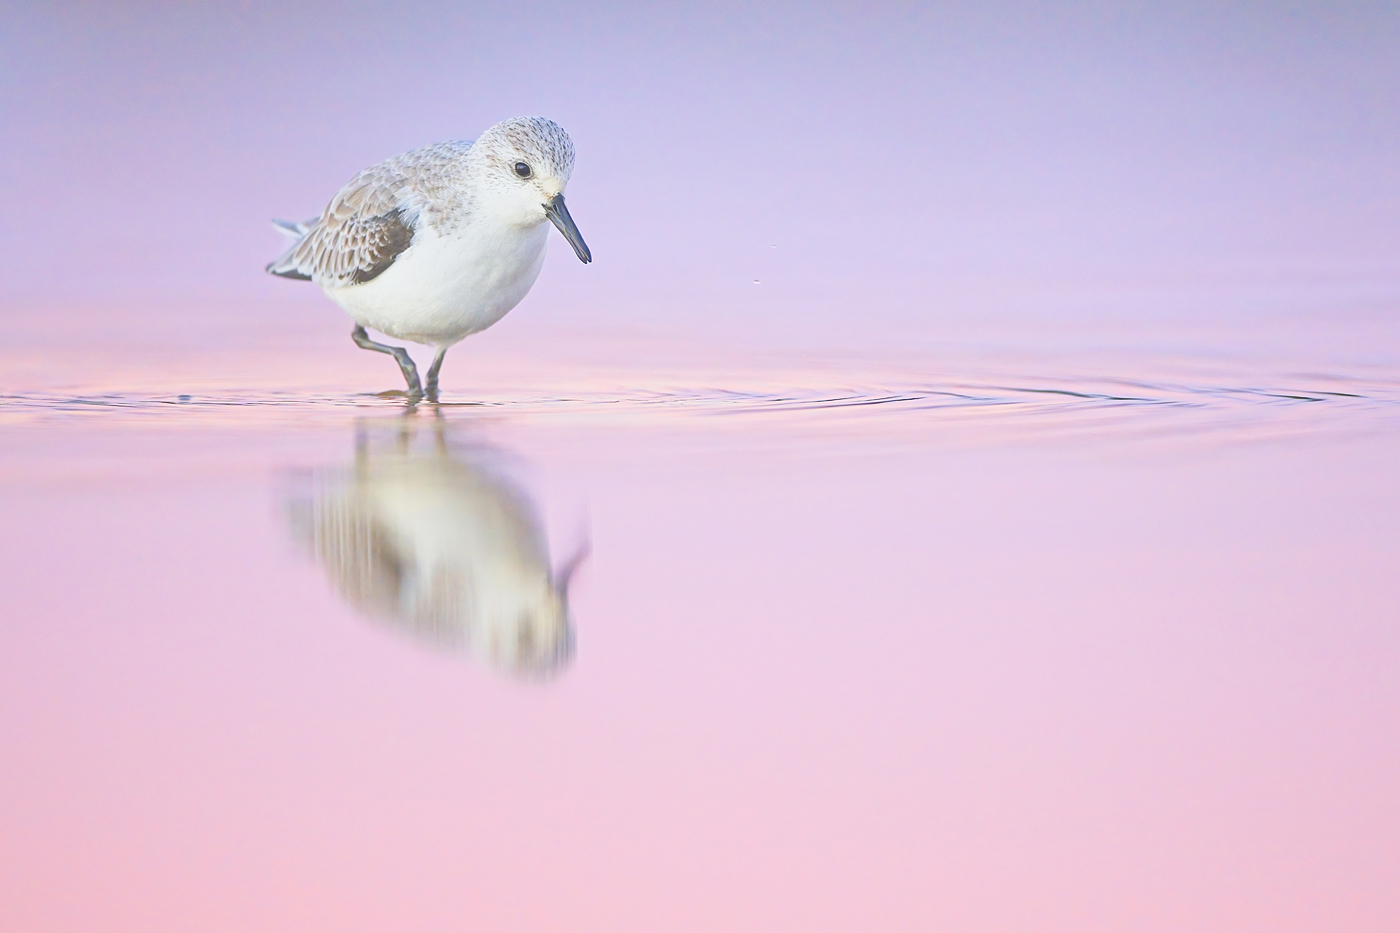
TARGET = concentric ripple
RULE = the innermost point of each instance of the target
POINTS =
(1340, 401)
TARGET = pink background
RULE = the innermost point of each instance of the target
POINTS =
(1039, 659)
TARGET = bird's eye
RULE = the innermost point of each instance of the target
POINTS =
(522, 170)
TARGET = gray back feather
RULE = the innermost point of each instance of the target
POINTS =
(372, 220)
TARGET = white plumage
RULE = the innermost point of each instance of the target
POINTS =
(441, 242)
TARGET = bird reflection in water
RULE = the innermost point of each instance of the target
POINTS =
(441, 544)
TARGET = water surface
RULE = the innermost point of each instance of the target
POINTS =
(970, 637)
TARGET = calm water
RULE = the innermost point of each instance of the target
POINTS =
(986, 635)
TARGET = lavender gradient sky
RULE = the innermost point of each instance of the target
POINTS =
(912, 164)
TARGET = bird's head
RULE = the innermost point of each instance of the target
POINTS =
(525, 163)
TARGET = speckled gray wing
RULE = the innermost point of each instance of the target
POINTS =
(372, 220)
(367, 225)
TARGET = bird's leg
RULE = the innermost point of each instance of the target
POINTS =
(433, 374)
(410, 372)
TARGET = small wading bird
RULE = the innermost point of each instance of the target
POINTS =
(439, 243)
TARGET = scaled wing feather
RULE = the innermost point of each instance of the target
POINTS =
(372, 220)
(359, 235)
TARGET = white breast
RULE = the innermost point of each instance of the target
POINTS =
(444, 287)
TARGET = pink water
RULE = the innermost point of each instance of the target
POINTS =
(965, 636)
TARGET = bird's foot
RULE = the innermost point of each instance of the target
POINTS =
(400, 355)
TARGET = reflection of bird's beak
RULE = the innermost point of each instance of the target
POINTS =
(566, 573)
(558, 213)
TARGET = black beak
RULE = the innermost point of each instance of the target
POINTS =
(557, 212)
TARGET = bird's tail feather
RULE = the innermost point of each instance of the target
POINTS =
(294, 228)
(286, 264)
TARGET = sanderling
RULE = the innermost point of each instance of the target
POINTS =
(439, 243)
